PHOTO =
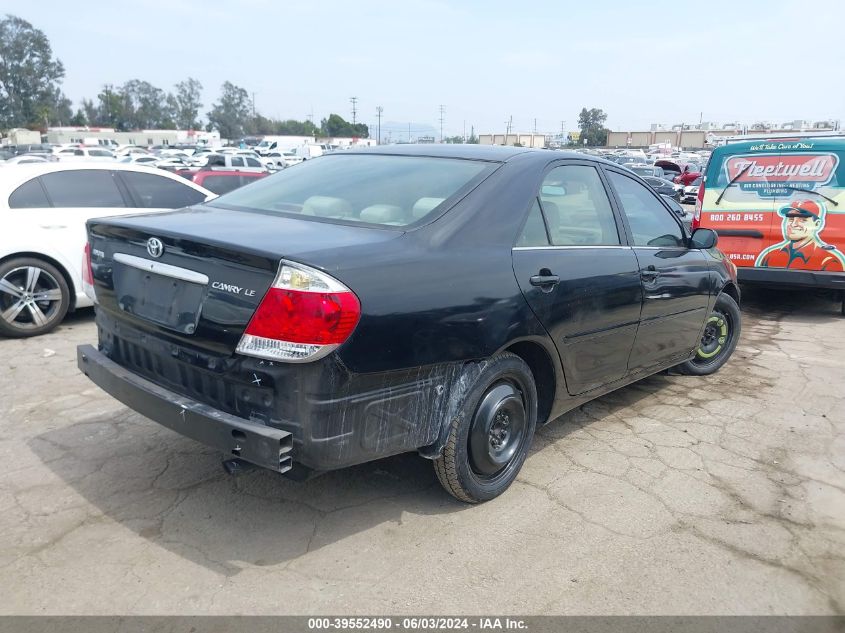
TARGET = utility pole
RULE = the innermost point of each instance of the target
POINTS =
(409, 132)
(354, 101)
(442, 110)
(253, 105)
(465, 131)
(379, 110)
(535, 125)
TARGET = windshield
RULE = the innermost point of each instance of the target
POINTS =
(370, 188)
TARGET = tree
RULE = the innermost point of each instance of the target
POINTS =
(187, 104)
(79, 119)
(336, 125)
(592, 127)
(145, 106)
(29, 76)
(453, 139)
(296, 128)
(112, 109)
(89, 112)
(232, 113)
(473, 139)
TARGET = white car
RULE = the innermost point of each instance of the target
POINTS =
(283, 159)
(26, 158)
(43, 210)
(86, 154)
(140, 159)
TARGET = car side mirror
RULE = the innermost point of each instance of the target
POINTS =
(704, 238)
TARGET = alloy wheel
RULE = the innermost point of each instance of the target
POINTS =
(30, 297)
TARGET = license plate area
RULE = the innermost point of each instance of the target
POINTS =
(167, 301)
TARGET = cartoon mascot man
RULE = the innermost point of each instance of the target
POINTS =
(802, 247)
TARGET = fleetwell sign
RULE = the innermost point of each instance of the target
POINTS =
(772, 175)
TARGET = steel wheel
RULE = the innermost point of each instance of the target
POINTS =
(33, 297)
(498, 429)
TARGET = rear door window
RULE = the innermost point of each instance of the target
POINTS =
(83, 188)
(29, 195)
(251, 162)
(237, 161)
(159, 192)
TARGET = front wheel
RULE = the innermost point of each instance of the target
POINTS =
(490, 435)
(718, 341)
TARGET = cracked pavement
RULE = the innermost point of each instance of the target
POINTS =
(676, 495)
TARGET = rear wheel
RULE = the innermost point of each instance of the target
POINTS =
(718, 341)
(34, 297)
(491, 434)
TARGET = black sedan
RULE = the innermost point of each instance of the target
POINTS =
(438, 299)
(664, 187)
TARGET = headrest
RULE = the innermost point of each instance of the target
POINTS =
(424, 205)
(381, 214)
(326, 206)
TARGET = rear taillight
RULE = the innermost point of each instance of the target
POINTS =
(699, 201)
(88, 274)
(305, 315)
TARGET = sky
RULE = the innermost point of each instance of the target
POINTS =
(486, 62)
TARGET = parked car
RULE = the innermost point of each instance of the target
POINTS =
(234, 162)
(281, 160)
(690, 192)
(85, 153)
(220, 181)
(43, 209)
(22, 159)
(778, 208)
(142, 159)
(690, 174)
(664, 187)
(644, 170)
(439, 299)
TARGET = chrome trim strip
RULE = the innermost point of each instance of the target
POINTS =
(159, 268)
(557, 248)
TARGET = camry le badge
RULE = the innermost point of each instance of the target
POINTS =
(154, 247)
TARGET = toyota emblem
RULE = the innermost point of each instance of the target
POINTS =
(154, 247)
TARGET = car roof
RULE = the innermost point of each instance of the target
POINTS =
(819, 143)
(14, 175)
(496, 153)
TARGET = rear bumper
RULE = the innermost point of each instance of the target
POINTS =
(236, 437)
(783, 277)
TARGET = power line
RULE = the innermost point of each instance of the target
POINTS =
(442, 110)
(354, 101)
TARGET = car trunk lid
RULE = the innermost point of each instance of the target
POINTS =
(196, 276)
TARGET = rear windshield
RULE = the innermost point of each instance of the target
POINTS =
(369, 188)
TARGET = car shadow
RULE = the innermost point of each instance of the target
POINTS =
(173, 492)
(804, 305)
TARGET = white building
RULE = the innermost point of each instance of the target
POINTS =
(109, 136)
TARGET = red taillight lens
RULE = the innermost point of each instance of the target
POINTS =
(88, 274)
(304, 315)
(317, 318)
(699, 202)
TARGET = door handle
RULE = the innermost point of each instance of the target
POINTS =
(649, 273)
(545, 280)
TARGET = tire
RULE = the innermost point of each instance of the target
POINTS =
(721, 335)
(491, 433)
(23, 280)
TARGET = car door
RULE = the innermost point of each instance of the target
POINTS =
(579, 276)
(675, 279)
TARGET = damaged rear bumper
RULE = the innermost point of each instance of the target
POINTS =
(261, 445)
